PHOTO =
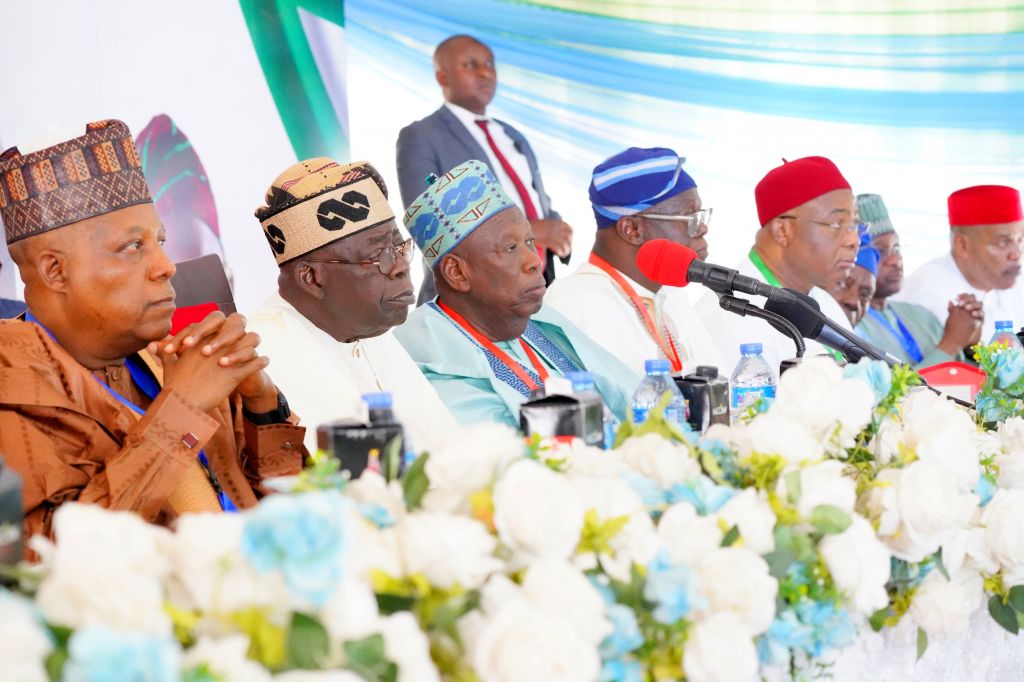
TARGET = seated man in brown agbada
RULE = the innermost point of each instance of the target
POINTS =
(97, 403)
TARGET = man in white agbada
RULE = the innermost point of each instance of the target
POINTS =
(986, 229)
(808, 240)
(639, 195)
(343, 284)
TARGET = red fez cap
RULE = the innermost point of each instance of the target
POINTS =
(984, 205)
(794, 183)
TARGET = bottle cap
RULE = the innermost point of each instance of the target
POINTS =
(656, 366)
(706, 371)
(581, 380)
(377, 401)
(750, 348)
(1004, 324)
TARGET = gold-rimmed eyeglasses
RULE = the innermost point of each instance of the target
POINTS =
(386, 261)
(837, 226)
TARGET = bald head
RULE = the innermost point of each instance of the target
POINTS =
(464, 68)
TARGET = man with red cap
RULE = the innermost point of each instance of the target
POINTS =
(986, 228)
(807, 242)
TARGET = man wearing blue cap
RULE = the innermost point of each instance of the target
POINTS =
(639, 195)
(855, 291)
(485, 343)
(907, 330)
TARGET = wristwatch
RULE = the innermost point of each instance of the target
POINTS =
(277, 416)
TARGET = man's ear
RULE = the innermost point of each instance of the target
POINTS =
(441, 76)
(781, 231)
(454, 270)
(308, 277)
(958, 242)
(52, 268)
(630, 230)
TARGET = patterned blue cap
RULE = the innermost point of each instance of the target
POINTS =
(634, 180)
(454, 205)
(867, 255)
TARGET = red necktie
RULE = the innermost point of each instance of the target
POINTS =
(528, 208)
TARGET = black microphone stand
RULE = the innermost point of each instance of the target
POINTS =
(744, 308)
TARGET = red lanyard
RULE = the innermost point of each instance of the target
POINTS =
(668, 349)
(502, 356)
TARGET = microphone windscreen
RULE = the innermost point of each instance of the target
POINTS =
(665, 262)
(803, 319)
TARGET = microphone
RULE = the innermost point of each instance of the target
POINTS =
(675, 265)
(805, 314)
(744, 307)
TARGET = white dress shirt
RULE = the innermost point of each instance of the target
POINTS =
(940, 281)
(324, 379)
(729, 330)
(515, 158)
(592, 301)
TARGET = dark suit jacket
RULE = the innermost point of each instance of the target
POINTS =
(438, 143)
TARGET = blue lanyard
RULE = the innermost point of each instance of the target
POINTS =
(902, 335)
(148, 384)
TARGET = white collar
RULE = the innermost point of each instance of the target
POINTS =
(465, 116)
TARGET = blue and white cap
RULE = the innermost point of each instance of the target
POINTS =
(635, 180)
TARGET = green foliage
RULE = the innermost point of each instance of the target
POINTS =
(416, 482)
(200, 673)
(59, 656)
(731, 537)
(1004, 614)
(366, 657)
(829, 520)
(267, 640)
(308, 643)
(656, 422)
(322, 473)
(597, 534)
(922, 643)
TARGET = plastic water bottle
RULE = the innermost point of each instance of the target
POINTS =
(583, 382)
(1004, 335)
(752, 380)
(651, 390)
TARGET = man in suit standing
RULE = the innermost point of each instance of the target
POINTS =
(461, 130)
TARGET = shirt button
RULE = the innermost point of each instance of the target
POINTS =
(357, 353)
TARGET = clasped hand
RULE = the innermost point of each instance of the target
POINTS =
(207, 360)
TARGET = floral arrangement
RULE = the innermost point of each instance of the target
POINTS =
(1002, 394)
(854, 501)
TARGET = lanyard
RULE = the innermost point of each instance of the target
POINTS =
(148, 384)
(902, 334)
(668, 349)
(498, 353)
(769, 276)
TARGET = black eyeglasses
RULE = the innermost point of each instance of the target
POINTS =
(386, 262)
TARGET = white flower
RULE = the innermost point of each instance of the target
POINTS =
(371, 488)
(752, 514)
(209, 572)
(448, 550)
(468, 460)
(107, 570)
(659, 459)
(929, 504)
(1004, 531)
(778, 434)
(1011, 468)
(686, 535)
(350, 612)
(318, 676)
(737, 580)
(636, 542)
(590, 461)
(1011, 434)
(537, 513)
(859, 564)
(514, 640)
(558, 587)
(944, 607)
(967, 549)
(225, 657)
(885, 446)
(833, 409)
(955, 449)
(720, 649)
(924, 412)
(24, 645)
(407, 646)
(823, 483)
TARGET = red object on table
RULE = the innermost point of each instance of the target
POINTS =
(185, 316)
(958, 379)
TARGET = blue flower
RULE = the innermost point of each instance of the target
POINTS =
(725, 457)
(625, 636)
(785, 634)
(831, 626)
(703, 493)
(989, 408)
(653, 496)
(101, 655)
(304, 537)
(621, 670)
(376, 514)
(985, 489)
(1009, 367)
(874, 373)
(672, 588)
